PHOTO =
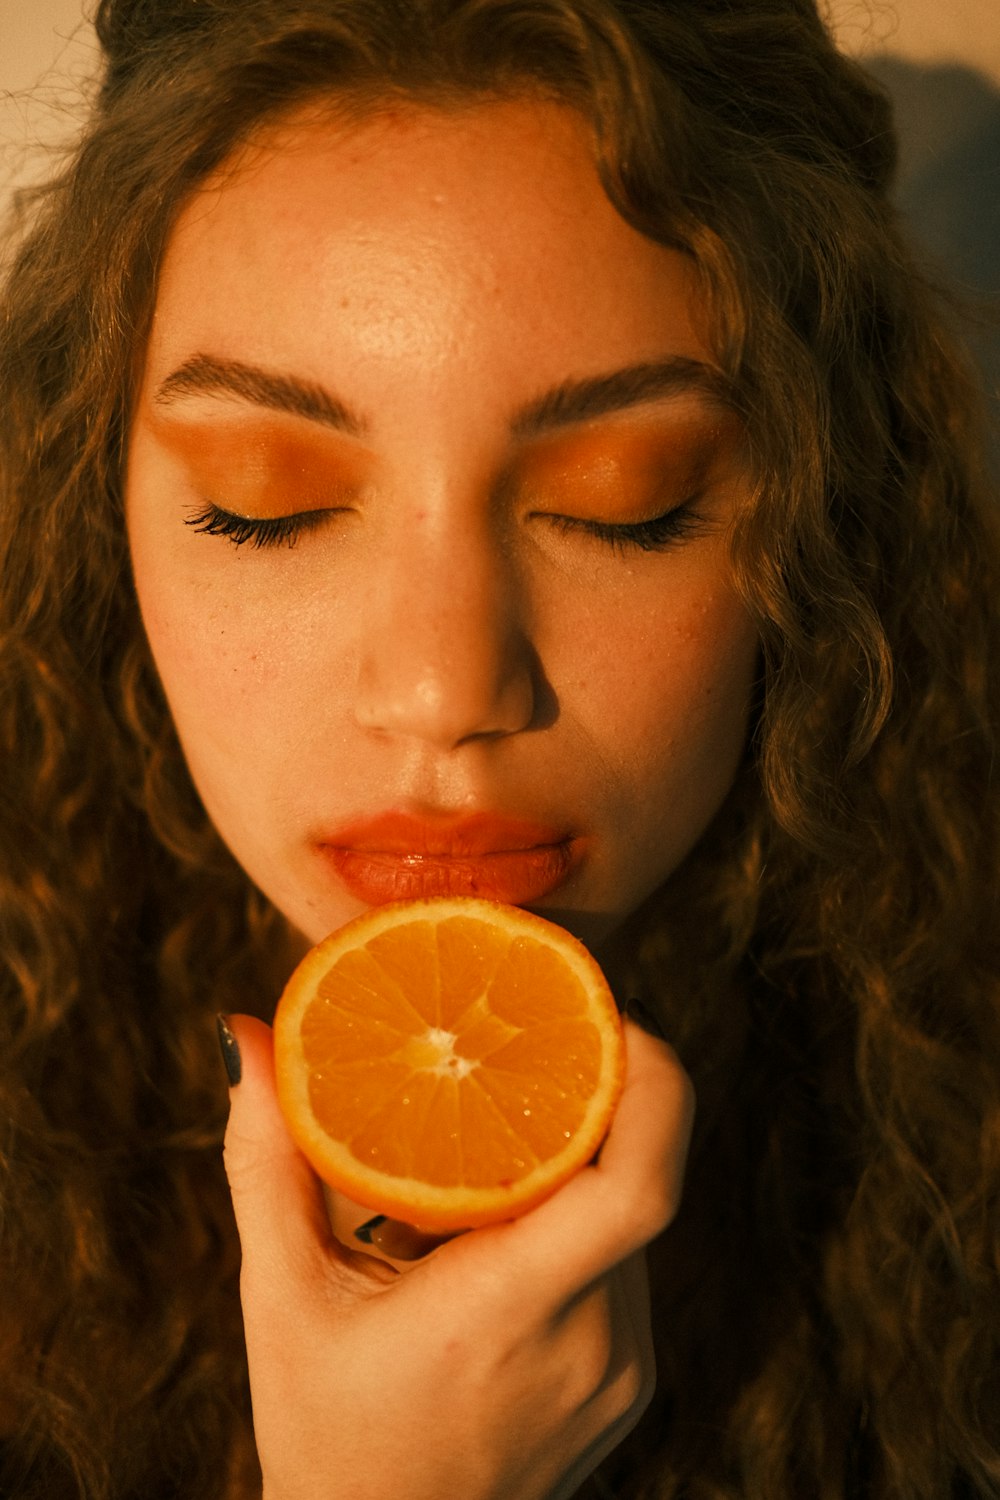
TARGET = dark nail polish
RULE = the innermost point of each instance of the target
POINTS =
(638, 1012)
(230, 1049)
(366, 1231)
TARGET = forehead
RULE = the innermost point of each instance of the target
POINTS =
(497, 201)
(408, 168)
(419, 242)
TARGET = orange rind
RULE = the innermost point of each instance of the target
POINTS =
(448, 1062)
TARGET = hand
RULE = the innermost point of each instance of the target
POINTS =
(503, 1366)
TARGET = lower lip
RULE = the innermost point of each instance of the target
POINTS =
(515, 876)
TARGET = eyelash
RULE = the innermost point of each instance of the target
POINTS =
(260, 531)
(654, 535)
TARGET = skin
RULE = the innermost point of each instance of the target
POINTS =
(505, 1365)
(452, 636)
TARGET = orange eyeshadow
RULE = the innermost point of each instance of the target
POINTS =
(263, 467)
(625, 466)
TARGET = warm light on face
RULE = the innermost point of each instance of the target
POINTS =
(428, 492)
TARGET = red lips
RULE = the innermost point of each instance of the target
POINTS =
(397, 856)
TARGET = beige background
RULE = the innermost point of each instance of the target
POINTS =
(37, 34)
(47, 49)
(966, 31)
(940, 60)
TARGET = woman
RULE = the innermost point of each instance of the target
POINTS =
(435, 431)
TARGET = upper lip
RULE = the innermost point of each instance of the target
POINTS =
(445, 836)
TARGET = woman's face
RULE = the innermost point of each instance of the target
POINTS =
(428, 490)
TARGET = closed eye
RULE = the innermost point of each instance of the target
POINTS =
(259, 531)
(653, 535)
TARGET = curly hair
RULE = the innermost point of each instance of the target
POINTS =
(827, 1306)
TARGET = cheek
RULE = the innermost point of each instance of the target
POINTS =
(671, 722)
(676, 683)
(200, 649)
(239, 671)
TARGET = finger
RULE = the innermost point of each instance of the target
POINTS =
(287, 1243)
(399, 1241)
(629, 1382)
(632, 1191)
(633, 1276)
(647, 1145)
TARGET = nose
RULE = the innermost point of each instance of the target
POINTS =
(445, 654)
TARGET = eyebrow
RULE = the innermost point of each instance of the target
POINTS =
(204, 374)
(579, 400)
(569, 402)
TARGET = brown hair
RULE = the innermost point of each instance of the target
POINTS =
(828, 1303)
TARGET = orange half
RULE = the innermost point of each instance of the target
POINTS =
(448, 1062)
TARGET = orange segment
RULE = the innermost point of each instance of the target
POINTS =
(448, 1062)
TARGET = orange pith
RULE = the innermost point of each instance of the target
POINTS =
(449, 1062)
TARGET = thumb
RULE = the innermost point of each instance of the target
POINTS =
(277, 1199)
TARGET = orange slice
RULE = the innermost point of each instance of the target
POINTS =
(448, 1062)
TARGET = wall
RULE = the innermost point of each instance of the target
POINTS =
(939, 58)
(49, 42)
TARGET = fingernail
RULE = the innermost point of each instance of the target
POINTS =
(638, 1012)
(366, 1231)
(230, 1049)
(398, 1240)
